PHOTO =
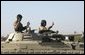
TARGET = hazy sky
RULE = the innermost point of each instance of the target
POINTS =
(68, 16)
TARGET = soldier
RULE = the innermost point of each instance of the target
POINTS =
(18, 27)
(29, 28)
(43, 27)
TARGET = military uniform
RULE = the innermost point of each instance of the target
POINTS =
(18, 27)
(42, 28)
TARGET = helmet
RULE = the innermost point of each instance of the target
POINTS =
(19, 15)
(43, 22)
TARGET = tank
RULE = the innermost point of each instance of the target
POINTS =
(36, 43)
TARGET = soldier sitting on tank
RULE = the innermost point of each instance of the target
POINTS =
(43, 27)
(18, 27)
(45, 30)
(27, 31)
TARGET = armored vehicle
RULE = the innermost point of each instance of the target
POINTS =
(36, 43)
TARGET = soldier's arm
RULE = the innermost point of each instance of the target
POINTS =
(23, 28)
(51, 26)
